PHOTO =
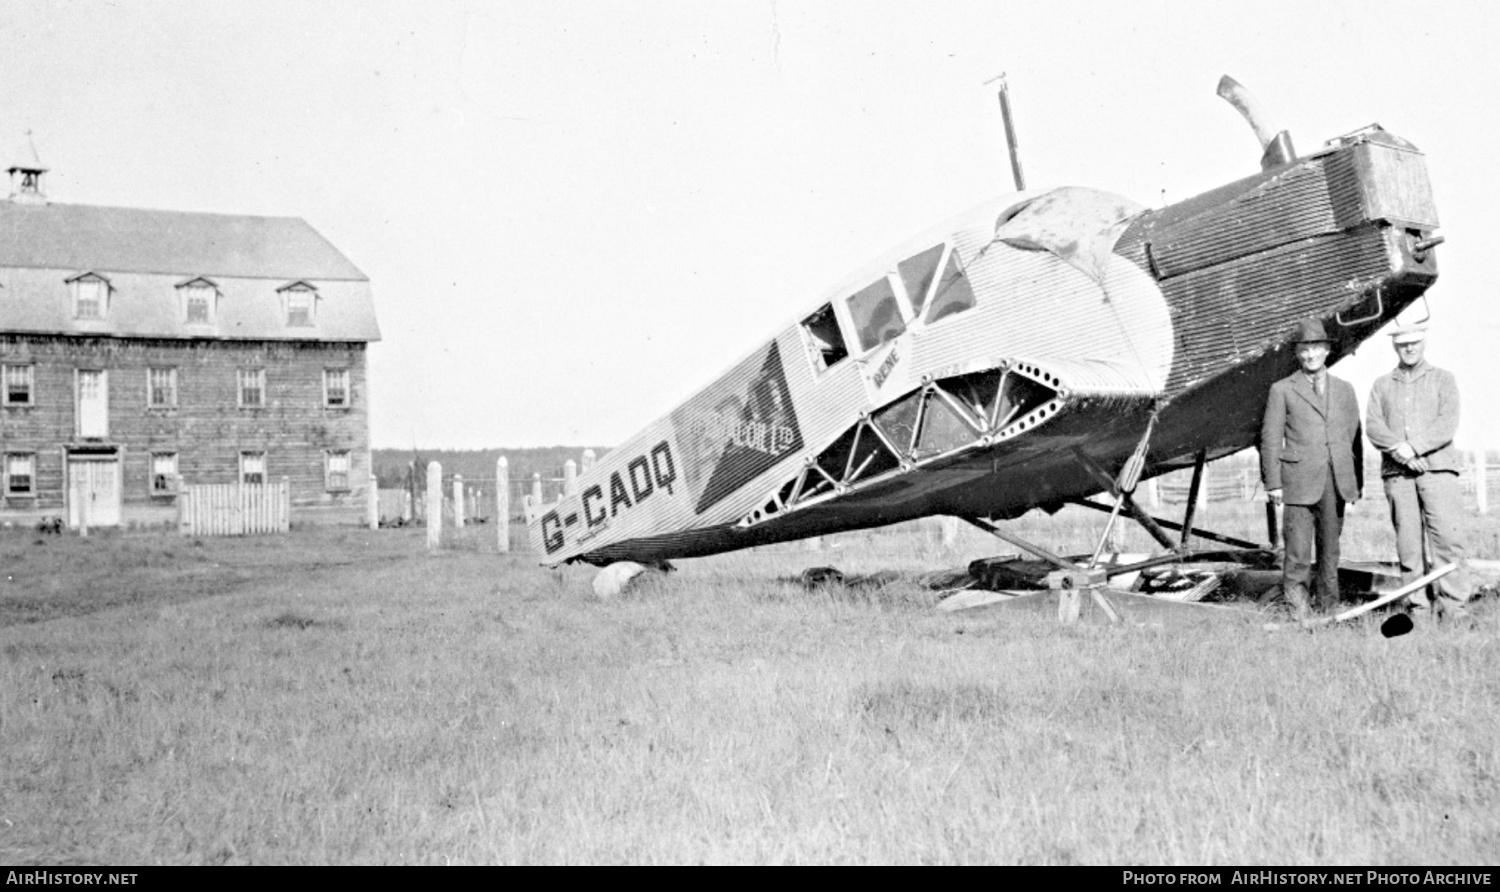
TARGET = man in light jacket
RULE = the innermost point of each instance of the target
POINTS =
(1413, 416)
(1312, 461)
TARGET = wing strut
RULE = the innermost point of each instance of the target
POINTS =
(1068, 580)
(994, 530)
(1192, 504)
(1122, 486)
(1200, 533)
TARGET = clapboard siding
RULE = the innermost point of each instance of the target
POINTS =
(207, 429)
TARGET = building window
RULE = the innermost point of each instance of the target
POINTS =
(252, 388)
(90, 296)
(91, 409)
(163, 473)
(336, 388)
(199, 299)
(161, 388)
(301, 303)
(18, 384)
(253, 468)
(336, 477)
(20, 474)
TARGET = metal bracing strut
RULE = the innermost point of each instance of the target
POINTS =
(1160, 523)
(1121, 486)
(1136, 512)
(1065, 580)
(1192, 504)
(1017, 541)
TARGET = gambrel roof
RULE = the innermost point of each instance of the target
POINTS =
(78, 236)
(146, 254)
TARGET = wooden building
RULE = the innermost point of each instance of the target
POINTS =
(145, 351)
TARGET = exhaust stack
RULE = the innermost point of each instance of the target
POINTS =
(1275, 143)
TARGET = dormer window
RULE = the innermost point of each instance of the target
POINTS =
(200, 298)
(90, 296)
(300, 301)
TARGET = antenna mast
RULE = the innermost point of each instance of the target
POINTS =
(1010, 131)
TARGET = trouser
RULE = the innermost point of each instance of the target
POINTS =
(1320, 524)
(1428, 502)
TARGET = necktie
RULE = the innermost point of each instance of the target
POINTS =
(1318, 385)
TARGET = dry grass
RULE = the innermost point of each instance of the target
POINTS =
(343, 697)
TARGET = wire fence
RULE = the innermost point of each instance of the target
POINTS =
(1230, 480)
(1229, 483)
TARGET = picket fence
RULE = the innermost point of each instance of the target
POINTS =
(234, 509)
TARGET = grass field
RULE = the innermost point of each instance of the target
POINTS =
(343, 696)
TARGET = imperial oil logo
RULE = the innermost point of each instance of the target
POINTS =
(737, 428)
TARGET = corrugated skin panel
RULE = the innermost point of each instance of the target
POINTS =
(1035, 305)
(996, 480)
(1345, 189)
(1241, 265)
(1288, 207)
(827, 402)
(685, 470)
(1229, 312)
(1094, 377)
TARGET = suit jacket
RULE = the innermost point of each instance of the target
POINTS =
(1302, 440)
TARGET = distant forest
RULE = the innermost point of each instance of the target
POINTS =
(391, 465)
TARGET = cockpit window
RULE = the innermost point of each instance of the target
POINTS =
(917, 274)
(953, 293)
(824, 339)
(876, 315)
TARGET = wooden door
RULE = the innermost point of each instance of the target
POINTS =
(94, 487)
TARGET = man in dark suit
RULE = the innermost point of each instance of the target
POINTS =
(1312, 461)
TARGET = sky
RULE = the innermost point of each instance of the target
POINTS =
(575, 214)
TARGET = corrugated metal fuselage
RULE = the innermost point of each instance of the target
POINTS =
(1070, 318)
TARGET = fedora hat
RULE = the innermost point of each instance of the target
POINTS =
(1308, 332)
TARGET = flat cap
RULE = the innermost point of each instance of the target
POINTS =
(1408, 334)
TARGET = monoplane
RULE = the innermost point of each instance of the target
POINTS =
(1038, 350)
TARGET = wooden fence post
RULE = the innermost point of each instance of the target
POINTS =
(570, 477)
(434, 505)
(588, 460)
(1481, 481)
(458, 501)
(372, 503)
(536, 489)
(502, 503)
